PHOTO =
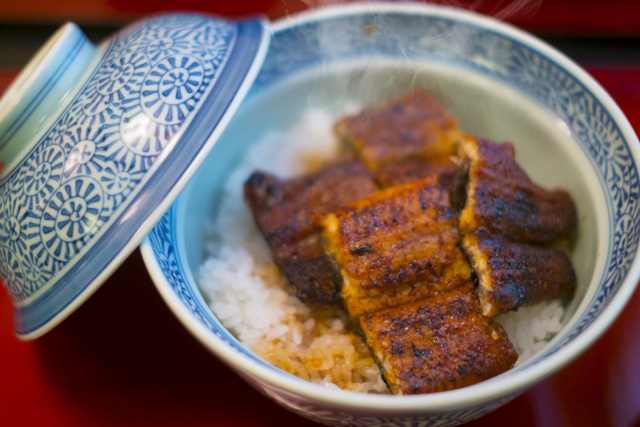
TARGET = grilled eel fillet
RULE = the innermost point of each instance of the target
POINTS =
(437, 344)
(283, 211)
(395, 246)
(415, 126)
(511, 275)
(392, 174)
(493, 192)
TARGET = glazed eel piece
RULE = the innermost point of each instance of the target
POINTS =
(513, 274)
(283, 212)
(395, 246)
(437, 344)
(416, 126)
(397, 173)
(493, 192)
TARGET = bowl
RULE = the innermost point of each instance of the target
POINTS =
(97, 141)
(502, 84)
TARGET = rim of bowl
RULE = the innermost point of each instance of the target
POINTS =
(40, 60)
(501, 386)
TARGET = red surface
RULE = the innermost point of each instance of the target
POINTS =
(620, 17)
(124, 359)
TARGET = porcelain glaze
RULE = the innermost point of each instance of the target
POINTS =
(96, 143)
(595, 129)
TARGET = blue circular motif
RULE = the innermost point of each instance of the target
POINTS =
(80, 157)
(159, 48)
(12, 228)
(210, 43)
(44, 171)
(143, 136)
(72, 214)
(12, 273)
(117, 85)
(159, 42)
(172, 89)
(36, 270)
(87, 147)
(116, 179)
(211, 51)
(15, 217)
(64, 126)
(42, 175)
(116, 77)
(91, 166)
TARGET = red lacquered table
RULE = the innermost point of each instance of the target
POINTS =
(123, 359)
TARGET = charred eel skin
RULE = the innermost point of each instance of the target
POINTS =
(493, 192)
(437, 344)
(283, 209)
(513, 274)
(395, 246)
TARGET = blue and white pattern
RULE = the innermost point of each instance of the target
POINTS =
(498, 56)
(109, 148)
(342, 418)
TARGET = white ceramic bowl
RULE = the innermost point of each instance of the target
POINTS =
(502, 84)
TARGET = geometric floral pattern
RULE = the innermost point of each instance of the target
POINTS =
(96, 156)
(502, 58)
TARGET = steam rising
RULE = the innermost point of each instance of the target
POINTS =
(501, 9)
(334, 39)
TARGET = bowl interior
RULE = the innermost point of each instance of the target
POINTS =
(484, 108)
(499, 83)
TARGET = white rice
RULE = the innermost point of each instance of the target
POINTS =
(531, 328)
(254, 301)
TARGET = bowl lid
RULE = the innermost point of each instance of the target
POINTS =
(98, 141)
